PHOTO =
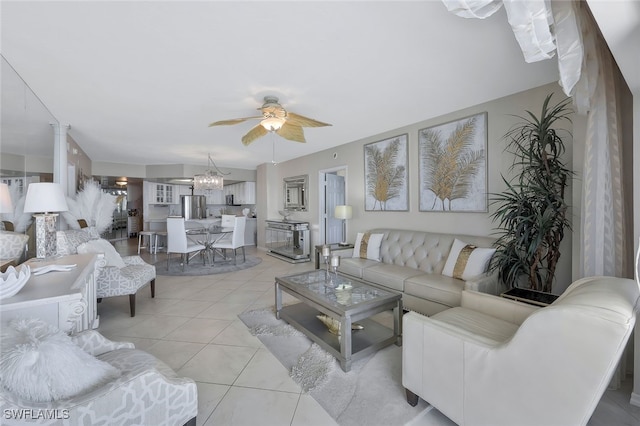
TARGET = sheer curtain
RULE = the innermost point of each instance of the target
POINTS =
(602, 230)
(587, 74)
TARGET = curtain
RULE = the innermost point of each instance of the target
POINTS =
(602, 228)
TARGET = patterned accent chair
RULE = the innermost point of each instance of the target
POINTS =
(147, 392)
(12, 246)
(112, 280)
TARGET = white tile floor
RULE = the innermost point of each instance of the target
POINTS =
(192, 325)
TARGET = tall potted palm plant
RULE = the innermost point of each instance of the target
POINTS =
(532, 212)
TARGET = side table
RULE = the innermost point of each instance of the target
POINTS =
(532, 297)
(335, 248)
(64, 299)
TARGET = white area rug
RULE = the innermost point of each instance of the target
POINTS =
(370, 394)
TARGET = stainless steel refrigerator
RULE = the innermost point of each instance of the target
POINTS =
(193, 206)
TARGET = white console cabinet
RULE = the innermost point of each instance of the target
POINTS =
(64, 299)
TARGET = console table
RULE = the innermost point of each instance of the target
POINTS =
(64, 299)
(288, 240)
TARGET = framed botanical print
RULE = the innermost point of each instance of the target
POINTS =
(453, 166)
(385, 175)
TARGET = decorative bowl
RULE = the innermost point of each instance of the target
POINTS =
(12, 280)
(285, 214)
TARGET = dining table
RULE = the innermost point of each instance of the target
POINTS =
(208, 236)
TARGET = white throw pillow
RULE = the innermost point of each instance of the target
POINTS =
(367, 246)
(40, 363)
(103, 246)
(466, 260)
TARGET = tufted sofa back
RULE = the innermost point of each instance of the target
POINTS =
(426, 251)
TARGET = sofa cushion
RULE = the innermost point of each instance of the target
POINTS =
(41, 363)
(354, 266)
(467, 260)
(390, 276)
(367, 246)
(476, 325)
(69, 240)
(445, 290)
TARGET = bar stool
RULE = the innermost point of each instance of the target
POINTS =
(162, 234)
(141, 235)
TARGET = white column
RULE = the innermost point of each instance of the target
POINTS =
(635, 395)
(60, 155)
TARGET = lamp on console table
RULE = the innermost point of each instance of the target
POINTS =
(344, 213)
(45, 200)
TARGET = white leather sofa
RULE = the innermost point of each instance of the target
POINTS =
(494, 361)
(411, 262)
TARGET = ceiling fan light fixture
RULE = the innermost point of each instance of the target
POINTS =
(272, 124)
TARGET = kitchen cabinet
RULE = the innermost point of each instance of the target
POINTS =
(160, 193)
(215, 196)
(243, 192)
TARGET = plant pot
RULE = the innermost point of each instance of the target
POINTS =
(532, 297)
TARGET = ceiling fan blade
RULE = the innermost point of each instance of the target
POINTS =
(233, 121)
(303, 121)
(253, 134)
(290, 131)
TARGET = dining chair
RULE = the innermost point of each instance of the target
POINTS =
(236, 241)
(177, 241)
(228, 220)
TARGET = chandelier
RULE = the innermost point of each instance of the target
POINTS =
(210, 179)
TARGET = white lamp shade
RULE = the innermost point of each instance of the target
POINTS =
(45, 197)
(343, 212)
(6, 206)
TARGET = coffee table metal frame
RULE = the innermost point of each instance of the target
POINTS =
(352, 344)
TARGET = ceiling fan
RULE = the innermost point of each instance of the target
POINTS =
(274, 119)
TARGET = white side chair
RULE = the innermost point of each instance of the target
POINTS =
(236, 241)
(228, 221)
(177, 241)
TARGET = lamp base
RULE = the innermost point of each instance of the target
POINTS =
(46, 238)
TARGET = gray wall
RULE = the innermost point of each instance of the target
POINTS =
(500, 120)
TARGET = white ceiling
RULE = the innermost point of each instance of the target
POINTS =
(140, 81)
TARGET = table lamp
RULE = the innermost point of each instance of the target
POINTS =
(44, 199)
(6, 206)
(344, 213)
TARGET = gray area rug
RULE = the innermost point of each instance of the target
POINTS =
(370, 394)
(195, 266)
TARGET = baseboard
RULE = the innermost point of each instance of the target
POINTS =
(635, 399)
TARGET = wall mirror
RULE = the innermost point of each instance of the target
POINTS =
(26, 152)
(295, 193)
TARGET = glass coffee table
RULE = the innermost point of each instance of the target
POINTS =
(348, 301)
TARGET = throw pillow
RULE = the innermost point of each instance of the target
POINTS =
(69, 240)
(40, 363)
(103, 246)
(466, 260)
(367, 246)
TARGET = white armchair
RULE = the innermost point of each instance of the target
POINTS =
(147, 392)
(494, 361)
